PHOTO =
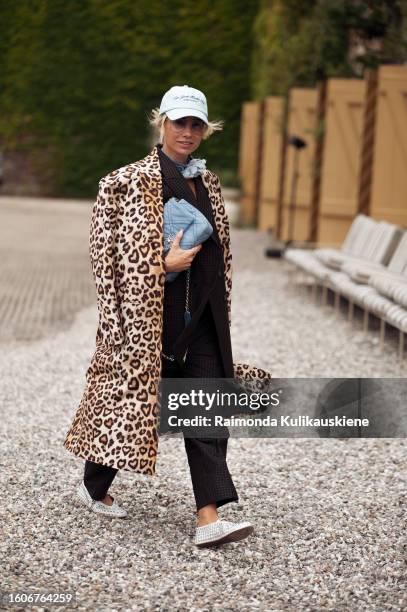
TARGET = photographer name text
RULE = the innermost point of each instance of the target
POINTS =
(267, 421)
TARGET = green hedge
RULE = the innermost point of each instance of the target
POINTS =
(77, 78)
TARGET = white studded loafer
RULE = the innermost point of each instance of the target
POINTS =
(222, 532)
(114, 511)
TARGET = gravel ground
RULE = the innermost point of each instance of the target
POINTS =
(329, 514)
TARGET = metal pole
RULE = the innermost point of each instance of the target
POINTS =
(315, 290)
(350, 311)
(291, 209)
(365, 320)
(382, 333)
(401, 345)
(337, 303)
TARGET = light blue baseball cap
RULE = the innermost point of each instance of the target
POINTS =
(183, 101)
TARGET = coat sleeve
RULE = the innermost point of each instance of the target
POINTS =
(228, 279)
(227, 252)
(102, 256)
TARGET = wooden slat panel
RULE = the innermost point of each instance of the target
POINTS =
(389, 186)
(341, 161)
(249, 160)
(271, 162)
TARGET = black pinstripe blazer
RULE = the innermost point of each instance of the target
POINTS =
(207, 281)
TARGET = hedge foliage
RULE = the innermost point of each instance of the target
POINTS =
(78, 78)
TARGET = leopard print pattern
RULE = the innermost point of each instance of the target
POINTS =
(117, 419)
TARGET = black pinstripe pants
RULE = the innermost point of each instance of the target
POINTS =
(211, 480)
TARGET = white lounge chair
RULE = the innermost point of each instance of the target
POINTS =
(388, 255)
(319, 262)
(383, 238)
(359, 238)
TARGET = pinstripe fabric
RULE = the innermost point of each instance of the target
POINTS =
(207, 281)
(98, 478)
(210, 476)
(209, 352)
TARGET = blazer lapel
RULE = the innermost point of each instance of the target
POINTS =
(174, 178)
(181, 190)
(205, 206)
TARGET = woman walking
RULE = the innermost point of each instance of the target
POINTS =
(142, 334)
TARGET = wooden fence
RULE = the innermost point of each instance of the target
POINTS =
(389, 173)
(272, 164)
(338, 202)
(355, 158)
(250, 160)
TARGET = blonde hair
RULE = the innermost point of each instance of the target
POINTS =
(157, 121)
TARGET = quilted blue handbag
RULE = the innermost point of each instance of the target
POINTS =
(180, 214)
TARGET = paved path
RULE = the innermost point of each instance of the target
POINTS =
(330, 515)
(45, 275)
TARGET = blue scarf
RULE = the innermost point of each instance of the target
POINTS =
(192, 168)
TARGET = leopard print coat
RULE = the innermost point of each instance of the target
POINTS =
(116, 421)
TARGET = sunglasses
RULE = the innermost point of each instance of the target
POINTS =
(178, 125)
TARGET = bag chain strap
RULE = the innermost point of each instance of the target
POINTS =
(187, 314)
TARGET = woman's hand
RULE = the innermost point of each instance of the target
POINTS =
(178, 259)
